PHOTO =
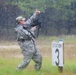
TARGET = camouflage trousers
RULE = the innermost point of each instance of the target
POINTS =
(29, 52)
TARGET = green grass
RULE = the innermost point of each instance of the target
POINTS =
(8, 62)
(8, 67)
(70, 66)
(66, 39)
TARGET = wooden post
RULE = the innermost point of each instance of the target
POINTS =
(60, 68)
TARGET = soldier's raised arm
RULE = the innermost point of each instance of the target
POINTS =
(30, 20)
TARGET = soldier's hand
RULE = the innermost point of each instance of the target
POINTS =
(33, 28)
(37, 11)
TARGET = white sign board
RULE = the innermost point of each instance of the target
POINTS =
(57, 53)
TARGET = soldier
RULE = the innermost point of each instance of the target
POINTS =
(26, 42)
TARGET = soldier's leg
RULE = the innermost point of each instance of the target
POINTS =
(37, 59)
(26, 60)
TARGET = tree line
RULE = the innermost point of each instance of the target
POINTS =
(58, 17)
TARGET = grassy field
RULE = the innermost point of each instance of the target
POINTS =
(10, 57)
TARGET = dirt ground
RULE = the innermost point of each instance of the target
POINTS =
(11, 51)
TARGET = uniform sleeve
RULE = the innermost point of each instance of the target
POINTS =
(30, 20)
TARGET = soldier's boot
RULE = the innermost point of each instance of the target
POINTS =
(38, 66)
(22, 65)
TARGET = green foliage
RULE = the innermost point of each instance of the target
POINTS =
(29, 5)
(58, 17)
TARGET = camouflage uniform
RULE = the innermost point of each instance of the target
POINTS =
(28, 46)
